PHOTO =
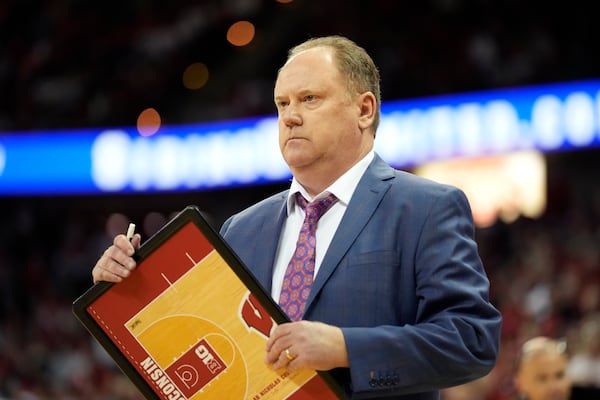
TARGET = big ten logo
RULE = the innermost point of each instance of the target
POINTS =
(202, 363)
(255, 316)
(181, 344)
(209, 358)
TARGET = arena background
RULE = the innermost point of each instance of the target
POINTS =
(77, 64)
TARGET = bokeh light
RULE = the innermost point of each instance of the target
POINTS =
(148, 122)
(153, 221)
(195, 76)
(240, 33)
(116, 223)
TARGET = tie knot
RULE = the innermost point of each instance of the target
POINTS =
(316, 209)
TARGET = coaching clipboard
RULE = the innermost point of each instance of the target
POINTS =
(191, 322)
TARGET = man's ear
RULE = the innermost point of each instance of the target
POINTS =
(367, 105)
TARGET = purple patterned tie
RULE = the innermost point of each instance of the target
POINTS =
(298, 278)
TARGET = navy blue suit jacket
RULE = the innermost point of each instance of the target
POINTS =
(402, 278)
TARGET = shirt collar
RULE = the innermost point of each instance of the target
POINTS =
(342, 188)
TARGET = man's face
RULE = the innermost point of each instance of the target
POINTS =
(319, 127)
(543, 377)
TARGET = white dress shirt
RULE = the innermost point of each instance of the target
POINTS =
(342, 188)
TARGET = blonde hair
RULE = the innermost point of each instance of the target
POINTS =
(353, 62)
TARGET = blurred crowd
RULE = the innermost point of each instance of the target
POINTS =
(68, 64)
(76, 63)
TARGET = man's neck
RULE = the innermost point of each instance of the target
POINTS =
(316, 180)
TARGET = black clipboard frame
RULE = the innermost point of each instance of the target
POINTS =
(188, 214)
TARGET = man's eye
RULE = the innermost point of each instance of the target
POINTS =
(310, 97)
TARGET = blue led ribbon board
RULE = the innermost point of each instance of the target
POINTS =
(552, 117)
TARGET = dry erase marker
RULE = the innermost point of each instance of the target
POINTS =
(130, 231)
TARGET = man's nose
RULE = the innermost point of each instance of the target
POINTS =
(291, 116)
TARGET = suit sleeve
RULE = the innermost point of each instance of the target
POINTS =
(455, 334)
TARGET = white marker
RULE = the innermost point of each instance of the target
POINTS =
(130, 231)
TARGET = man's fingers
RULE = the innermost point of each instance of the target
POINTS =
(123, 244)
(105, 275)
(114, 265)
(283, 360)
(108, 270)
(119, 256)
(136, 241)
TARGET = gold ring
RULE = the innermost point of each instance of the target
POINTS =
(288, 355)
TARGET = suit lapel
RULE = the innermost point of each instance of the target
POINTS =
(264, 254)
(365, 200)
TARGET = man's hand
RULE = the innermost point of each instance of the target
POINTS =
(116, 263)
(306, 344)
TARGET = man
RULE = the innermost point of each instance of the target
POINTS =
(399, 303)
(542, 370)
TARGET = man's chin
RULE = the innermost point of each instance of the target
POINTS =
(296, 157)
